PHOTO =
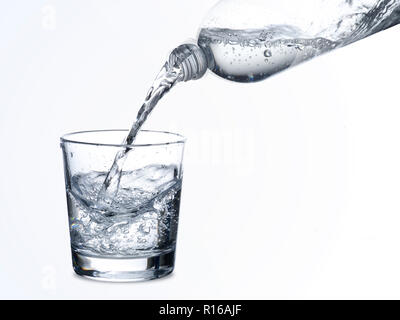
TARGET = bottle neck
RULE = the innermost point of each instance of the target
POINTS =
(191, 60)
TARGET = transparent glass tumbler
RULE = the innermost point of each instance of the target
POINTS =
(132, 237)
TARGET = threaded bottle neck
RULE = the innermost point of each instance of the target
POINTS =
(191, 60)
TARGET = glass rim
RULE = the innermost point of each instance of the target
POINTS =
(66, 139)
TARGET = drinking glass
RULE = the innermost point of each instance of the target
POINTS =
(133, 237)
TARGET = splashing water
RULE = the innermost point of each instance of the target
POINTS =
(164, 81)
(185, 63)
(142, 220)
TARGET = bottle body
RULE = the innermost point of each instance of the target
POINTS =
(250, 40)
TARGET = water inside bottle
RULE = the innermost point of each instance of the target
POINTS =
(255, 54)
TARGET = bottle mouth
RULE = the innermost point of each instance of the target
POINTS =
(191, 60)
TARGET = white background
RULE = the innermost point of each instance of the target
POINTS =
(291, 185)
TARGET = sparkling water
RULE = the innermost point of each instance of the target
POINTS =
(185, 63)
(118, 217)
(165, 80)
(255, 54)
(142, 221)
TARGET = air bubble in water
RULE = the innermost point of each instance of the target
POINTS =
(268, 53)
(297, 46)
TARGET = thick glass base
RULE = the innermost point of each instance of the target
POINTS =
(123, 269)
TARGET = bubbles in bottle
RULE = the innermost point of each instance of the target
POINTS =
(267, 53)
(252, 58)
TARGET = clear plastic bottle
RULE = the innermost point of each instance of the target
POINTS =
(250, 40)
